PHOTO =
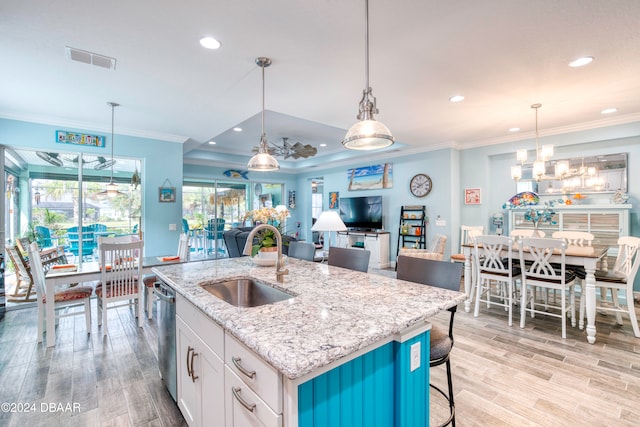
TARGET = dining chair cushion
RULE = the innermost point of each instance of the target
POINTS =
(610, 276)
(569, 276)
(440, 343)
(515, 269)
(71, 294)
(458, 257)
(109, 293)
(150, 281)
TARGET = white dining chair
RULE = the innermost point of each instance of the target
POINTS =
(620, 280)
(77, 296)
(496, 273)
(527, 232)
(540, 272)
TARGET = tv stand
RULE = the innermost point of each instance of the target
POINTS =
(376, 242)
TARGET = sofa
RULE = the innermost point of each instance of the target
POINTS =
(236, 239)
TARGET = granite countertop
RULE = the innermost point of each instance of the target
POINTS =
(335, 312)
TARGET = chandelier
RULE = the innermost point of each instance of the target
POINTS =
(542, 155)
(287, 150)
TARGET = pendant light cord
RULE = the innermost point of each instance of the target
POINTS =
(366, 42)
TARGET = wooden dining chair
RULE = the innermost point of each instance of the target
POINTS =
(70, 297)
(351, 258)
(302, 250)
(540, 272)
(445, 275)
(121, 273)
(496, 273)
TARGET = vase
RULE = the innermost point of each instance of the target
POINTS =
(268, 253)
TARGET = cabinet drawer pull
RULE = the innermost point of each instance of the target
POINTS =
(236, 362)
(249, 406)
(189, 350)
(194, 377)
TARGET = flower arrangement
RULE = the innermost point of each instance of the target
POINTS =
(266, 238)
(538, 214)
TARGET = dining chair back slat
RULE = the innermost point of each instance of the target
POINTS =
(351, 258)
(302, 250)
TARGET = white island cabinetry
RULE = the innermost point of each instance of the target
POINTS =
(200, 369)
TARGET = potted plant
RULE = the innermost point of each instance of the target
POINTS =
(265, 243)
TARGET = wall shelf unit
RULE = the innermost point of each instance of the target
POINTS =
(412, 230)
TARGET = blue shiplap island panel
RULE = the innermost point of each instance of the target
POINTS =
(376, 389)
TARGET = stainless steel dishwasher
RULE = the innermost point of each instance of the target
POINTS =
(167, 336)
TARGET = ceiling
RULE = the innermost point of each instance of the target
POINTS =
(502, 55)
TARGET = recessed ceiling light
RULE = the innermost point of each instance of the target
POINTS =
(209, 43)
(514, 129)
(581, 61)
(323, 145)
(237, 129)
(212, 143)
(456, 98)
(608, 110)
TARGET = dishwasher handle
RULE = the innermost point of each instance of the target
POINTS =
(171, 299)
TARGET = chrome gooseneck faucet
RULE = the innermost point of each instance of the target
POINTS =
(280, 270)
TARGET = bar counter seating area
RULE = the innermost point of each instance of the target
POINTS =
(212, 218)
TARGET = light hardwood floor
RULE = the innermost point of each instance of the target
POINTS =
(503, 376)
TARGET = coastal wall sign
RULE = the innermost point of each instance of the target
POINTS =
(64, 137)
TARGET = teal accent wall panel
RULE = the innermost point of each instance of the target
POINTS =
(376, 389)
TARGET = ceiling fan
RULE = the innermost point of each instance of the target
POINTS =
(287, 150)
(55, 160)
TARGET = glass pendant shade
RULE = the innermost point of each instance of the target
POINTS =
(539, 169)
(516, 172)
(263, 161)
(522, 155)
(112, 189)
(368, 135)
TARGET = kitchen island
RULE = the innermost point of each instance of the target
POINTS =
(349, 348)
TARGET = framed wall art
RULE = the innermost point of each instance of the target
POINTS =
(167, 192)
(472, 196)
(334, 200)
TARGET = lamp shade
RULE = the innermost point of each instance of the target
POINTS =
(329, 221)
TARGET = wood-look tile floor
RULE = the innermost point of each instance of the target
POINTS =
(113, 381)
(502, 376)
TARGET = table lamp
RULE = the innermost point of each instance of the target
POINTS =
(329, 221)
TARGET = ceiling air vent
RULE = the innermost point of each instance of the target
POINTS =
(90, 58)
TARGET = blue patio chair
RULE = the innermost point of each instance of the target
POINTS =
(43, 237)
(88, 241)
(215, 231)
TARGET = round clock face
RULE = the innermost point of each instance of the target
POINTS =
(420, 185)
(258, 189)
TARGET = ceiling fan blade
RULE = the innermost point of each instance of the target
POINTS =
(51, 158)
(104, 163)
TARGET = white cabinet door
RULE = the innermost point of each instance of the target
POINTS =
(187, 389)
(200, 379)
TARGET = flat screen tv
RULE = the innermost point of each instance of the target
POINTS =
(361, 213)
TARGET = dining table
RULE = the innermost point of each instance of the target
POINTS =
(591, 258)
(86, 272)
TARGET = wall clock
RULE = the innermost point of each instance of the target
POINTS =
(420, 185)
(258, 189)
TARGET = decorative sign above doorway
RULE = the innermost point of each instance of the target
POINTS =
(64, 137)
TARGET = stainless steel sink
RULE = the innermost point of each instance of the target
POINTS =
(245, 292)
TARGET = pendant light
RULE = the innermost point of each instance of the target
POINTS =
(111, 188)
(367, 133)
(263, 161)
